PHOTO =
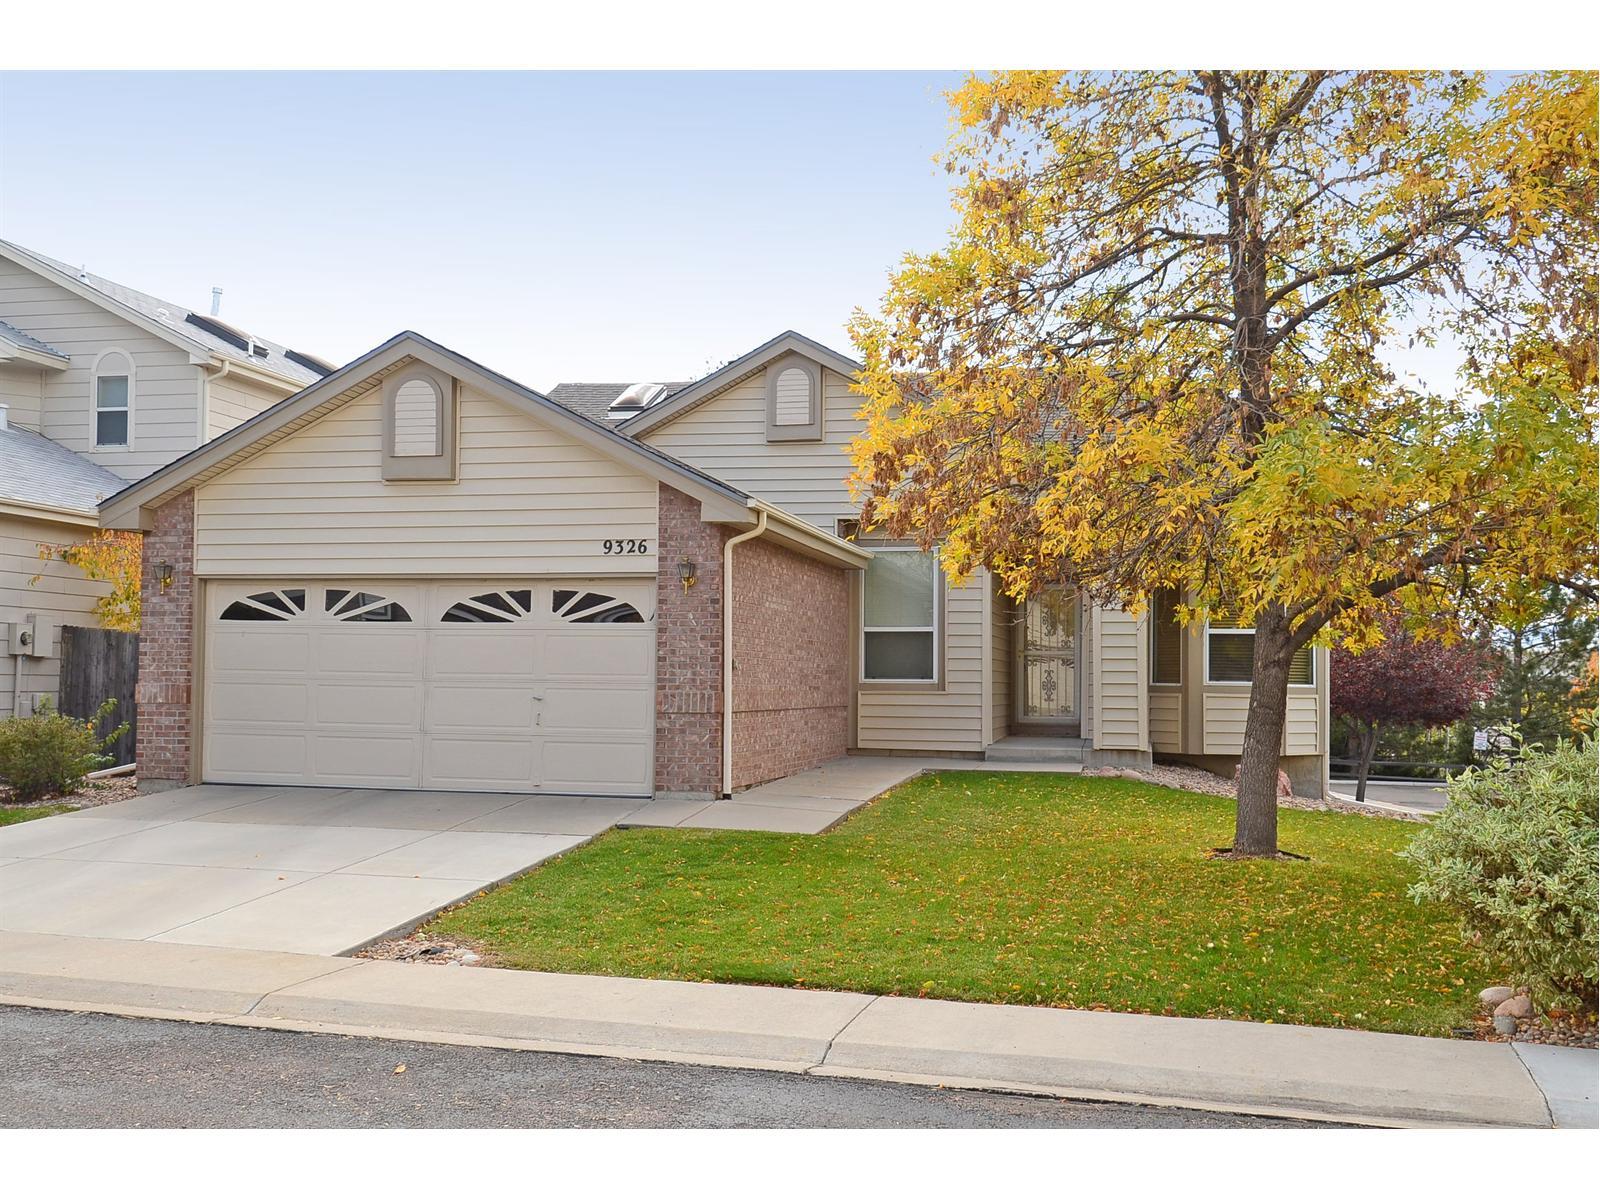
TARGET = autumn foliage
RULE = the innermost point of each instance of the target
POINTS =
(110, 556)
(1153, 354)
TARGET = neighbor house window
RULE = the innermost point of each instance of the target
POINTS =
(113, 399)
(1230, 653)
(1166, 638)
(899, 616)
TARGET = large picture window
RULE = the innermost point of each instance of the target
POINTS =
(899, 617)
(1230, 653)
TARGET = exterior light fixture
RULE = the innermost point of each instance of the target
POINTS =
(687, 574)
(164, 575)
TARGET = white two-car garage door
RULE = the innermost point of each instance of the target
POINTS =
(508, 687)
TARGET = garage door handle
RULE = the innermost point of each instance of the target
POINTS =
(536, 696)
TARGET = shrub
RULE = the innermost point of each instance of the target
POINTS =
(1514, 853)
(48, 754)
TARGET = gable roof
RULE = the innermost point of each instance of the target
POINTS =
(593, 400)
(38, 473)
(741, 368)
(163, 318)
(131, 508)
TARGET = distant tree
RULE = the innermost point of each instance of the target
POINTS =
(1405, 681)
(1544, 686)
(107, 556)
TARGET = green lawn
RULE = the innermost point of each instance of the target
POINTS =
(1025, 889)
(15, 814)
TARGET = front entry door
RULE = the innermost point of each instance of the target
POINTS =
(1049, 659)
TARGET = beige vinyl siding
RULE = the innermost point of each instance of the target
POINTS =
(166, 418)
(20, 391)
(1225, 713)
(1166, 720)
(61, 597)
(529, 501)
(727, 436)
(231, 401)
(1001, 625)
(1120, 669)
(950, 718)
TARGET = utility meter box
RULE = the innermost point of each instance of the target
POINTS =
(32, 637)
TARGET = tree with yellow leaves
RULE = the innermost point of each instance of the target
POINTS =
(110, 556)
(1154, 354)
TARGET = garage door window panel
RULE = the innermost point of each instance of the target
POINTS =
(594, 608)
(490, 608)
(284, 605)
(362, 606)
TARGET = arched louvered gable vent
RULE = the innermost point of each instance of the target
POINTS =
(417, 414)
(794, 400)
(419, 425)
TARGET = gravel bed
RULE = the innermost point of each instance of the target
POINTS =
(440, 952)
(1555, 1028)
(92, 794)
(1194, 779)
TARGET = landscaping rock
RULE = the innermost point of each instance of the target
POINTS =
(1514, 1008)
(1134, 775)
(1492, 997)
(1505, 1025)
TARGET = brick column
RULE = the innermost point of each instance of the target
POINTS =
(166, 648)
(688, 756)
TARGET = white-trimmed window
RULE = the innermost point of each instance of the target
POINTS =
(1166, 639)
(1230, 654)
(113, 400)
(900, 616)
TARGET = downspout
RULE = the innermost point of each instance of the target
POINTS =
(727, 646)
(208, 377)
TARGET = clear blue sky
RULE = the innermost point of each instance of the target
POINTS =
(552, 225)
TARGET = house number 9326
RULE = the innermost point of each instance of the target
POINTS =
(625, 546)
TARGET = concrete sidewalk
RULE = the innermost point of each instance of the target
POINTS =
(1346, 1075)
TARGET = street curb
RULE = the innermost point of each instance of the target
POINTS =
(1345, 1076)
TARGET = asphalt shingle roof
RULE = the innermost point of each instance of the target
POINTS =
(35, 470)
(593, 400)
(22, 338)
(174, 316)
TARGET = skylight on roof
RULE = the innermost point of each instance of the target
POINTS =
(634, 399)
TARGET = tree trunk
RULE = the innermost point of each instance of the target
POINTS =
(1369, 747)
(1255, 830)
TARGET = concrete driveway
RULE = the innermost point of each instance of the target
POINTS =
(314, 870)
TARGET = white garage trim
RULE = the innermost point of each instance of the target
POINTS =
(490, 685)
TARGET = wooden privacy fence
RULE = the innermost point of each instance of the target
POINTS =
(96, 663)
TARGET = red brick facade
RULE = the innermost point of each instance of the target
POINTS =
(688, 757)
(166, 646)
(791, 662)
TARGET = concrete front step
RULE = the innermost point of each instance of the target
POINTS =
(1036, 750)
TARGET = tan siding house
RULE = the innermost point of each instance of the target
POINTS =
(100, 385)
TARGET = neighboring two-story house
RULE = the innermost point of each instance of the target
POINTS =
(99, 386)
(417, 573)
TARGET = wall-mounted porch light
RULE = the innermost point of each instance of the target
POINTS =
(164, 575)
(687, 574)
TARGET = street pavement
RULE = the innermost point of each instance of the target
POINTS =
(84, 1070)
(1417, 797)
